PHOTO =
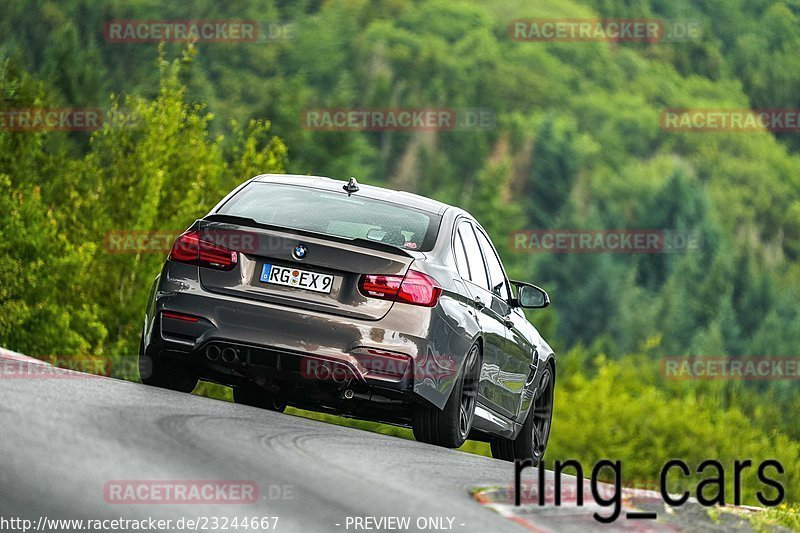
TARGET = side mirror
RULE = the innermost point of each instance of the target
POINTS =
(531, 297)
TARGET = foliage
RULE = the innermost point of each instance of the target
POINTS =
(577, 144)
(153, 166)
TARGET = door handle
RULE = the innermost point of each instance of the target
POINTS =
(479, 303)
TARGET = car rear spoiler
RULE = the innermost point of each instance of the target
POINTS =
(252, 223)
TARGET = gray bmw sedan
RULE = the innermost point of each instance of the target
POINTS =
(354, 300)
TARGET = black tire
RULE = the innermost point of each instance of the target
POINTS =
(255, 396)
(165, 373)
(531, 443)
(449, 427)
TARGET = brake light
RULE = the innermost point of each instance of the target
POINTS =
(420, 289)
(186, 248)
(380, 286)
(414, 288)
(189, 248)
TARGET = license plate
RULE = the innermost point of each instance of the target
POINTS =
(294, 277)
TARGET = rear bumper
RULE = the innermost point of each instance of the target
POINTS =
(307, 357)
(301, 379)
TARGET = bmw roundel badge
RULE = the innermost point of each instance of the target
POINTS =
(300, 251)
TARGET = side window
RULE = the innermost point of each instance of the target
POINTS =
(497, 280)
(461, 256)
(474, 259)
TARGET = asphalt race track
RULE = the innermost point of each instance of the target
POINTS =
(66, 436)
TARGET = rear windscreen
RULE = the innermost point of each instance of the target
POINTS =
(331, 213)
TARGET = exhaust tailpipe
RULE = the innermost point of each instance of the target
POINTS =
(212, 352)
(322, 372)
(229, 355)
(339, 374)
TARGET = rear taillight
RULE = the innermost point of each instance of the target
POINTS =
(380, 286)
(414, 288)
(189, 248)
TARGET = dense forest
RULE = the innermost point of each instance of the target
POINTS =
(576, 142)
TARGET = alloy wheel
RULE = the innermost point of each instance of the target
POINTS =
(542, 414)
(469, 392)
